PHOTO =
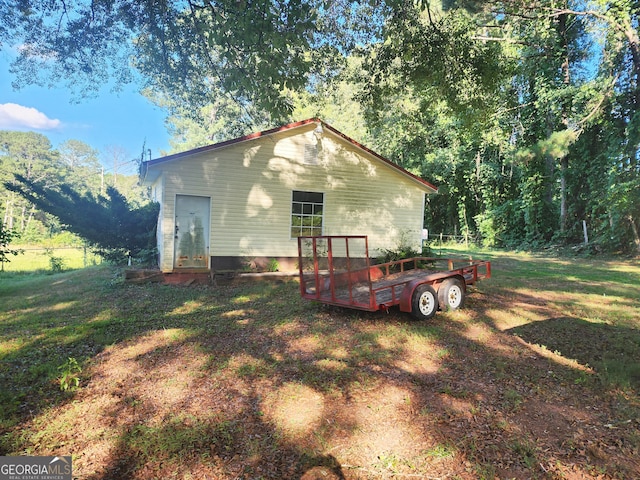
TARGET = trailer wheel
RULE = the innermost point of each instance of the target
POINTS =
(451, 294)
(425, 302)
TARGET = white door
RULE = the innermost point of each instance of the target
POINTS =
(191, 236)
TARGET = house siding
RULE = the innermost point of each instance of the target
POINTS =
(250, 185)
(157, 195)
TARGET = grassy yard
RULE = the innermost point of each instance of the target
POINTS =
(53, 259)
(537, 378)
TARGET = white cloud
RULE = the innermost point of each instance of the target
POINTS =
(17, 117)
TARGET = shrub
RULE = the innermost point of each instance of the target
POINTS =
(403, 250)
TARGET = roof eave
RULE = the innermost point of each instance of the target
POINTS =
(428, 187)
(234, 141)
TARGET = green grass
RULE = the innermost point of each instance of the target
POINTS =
(39, 259)
(598, 302)
(252, 381)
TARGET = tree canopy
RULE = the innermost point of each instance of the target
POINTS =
(44, 190)
(108, 222)
(525, 114)
(253, 51)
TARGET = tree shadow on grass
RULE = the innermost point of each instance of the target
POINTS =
(292, 404)
(613, 351)
(241, 447)
(255, 383)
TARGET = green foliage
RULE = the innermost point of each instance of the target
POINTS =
(453, 67)
(56, 264)
(31, 155)
(398, 253)
(404, 249)
(334, 101)
(6, 237)
(110, 224)
(66, 239)
(556, 146)
(489, 231)
(503, 225)
(524, 114)
(147, 256)
(526, 149)
(273, 265)
(220, 120)
(253, 51)
(70, 371)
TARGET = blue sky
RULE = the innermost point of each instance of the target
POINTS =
(121, 120)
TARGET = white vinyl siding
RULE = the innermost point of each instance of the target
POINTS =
(157, 195)
(250, 184)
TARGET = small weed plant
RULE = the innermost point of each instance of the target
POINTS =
(69, 379)
(56, 264)
(273, 265)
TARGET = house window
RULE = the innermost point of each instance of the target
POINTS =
(306, 213)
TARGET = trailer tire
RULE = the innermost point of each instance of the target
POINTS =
(424, 304)
(451, 294)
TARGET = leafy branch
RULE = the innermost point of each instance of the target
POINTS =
(6, 237)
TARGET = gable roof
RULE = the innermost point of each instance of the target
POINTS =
(253, 136)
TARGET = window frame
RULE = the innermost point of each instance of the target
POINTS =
(306, 210)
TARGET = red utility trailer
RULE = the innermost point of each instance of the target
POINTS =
(337, 270)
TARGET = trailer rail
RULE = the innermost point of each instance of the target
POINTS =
(338, 270)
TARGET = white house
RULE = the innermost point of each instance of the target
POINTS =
(245, 201)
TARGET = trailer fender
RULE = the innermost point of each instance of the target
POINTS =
(407, 294)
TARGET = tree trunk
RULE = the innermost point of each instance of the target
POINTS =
(32, 212)
(8, 217)
(636, 236)
(634, 45)
(550, 161)
(478, 165)
(23, 219)
(566, 80)
(5, 220)
(564, 166)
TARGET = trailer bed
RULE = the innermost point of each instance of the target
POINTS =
(337, 270)
(361, 293)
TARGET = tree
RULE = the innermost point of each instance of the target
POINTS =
(495, 101)
(579, 65)
(82, 166)
(335, 101)
(252, 51)
(6, 237)
(525, 113)
(220, 120)
(30, 155)
(432, 96)
(109, 223)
